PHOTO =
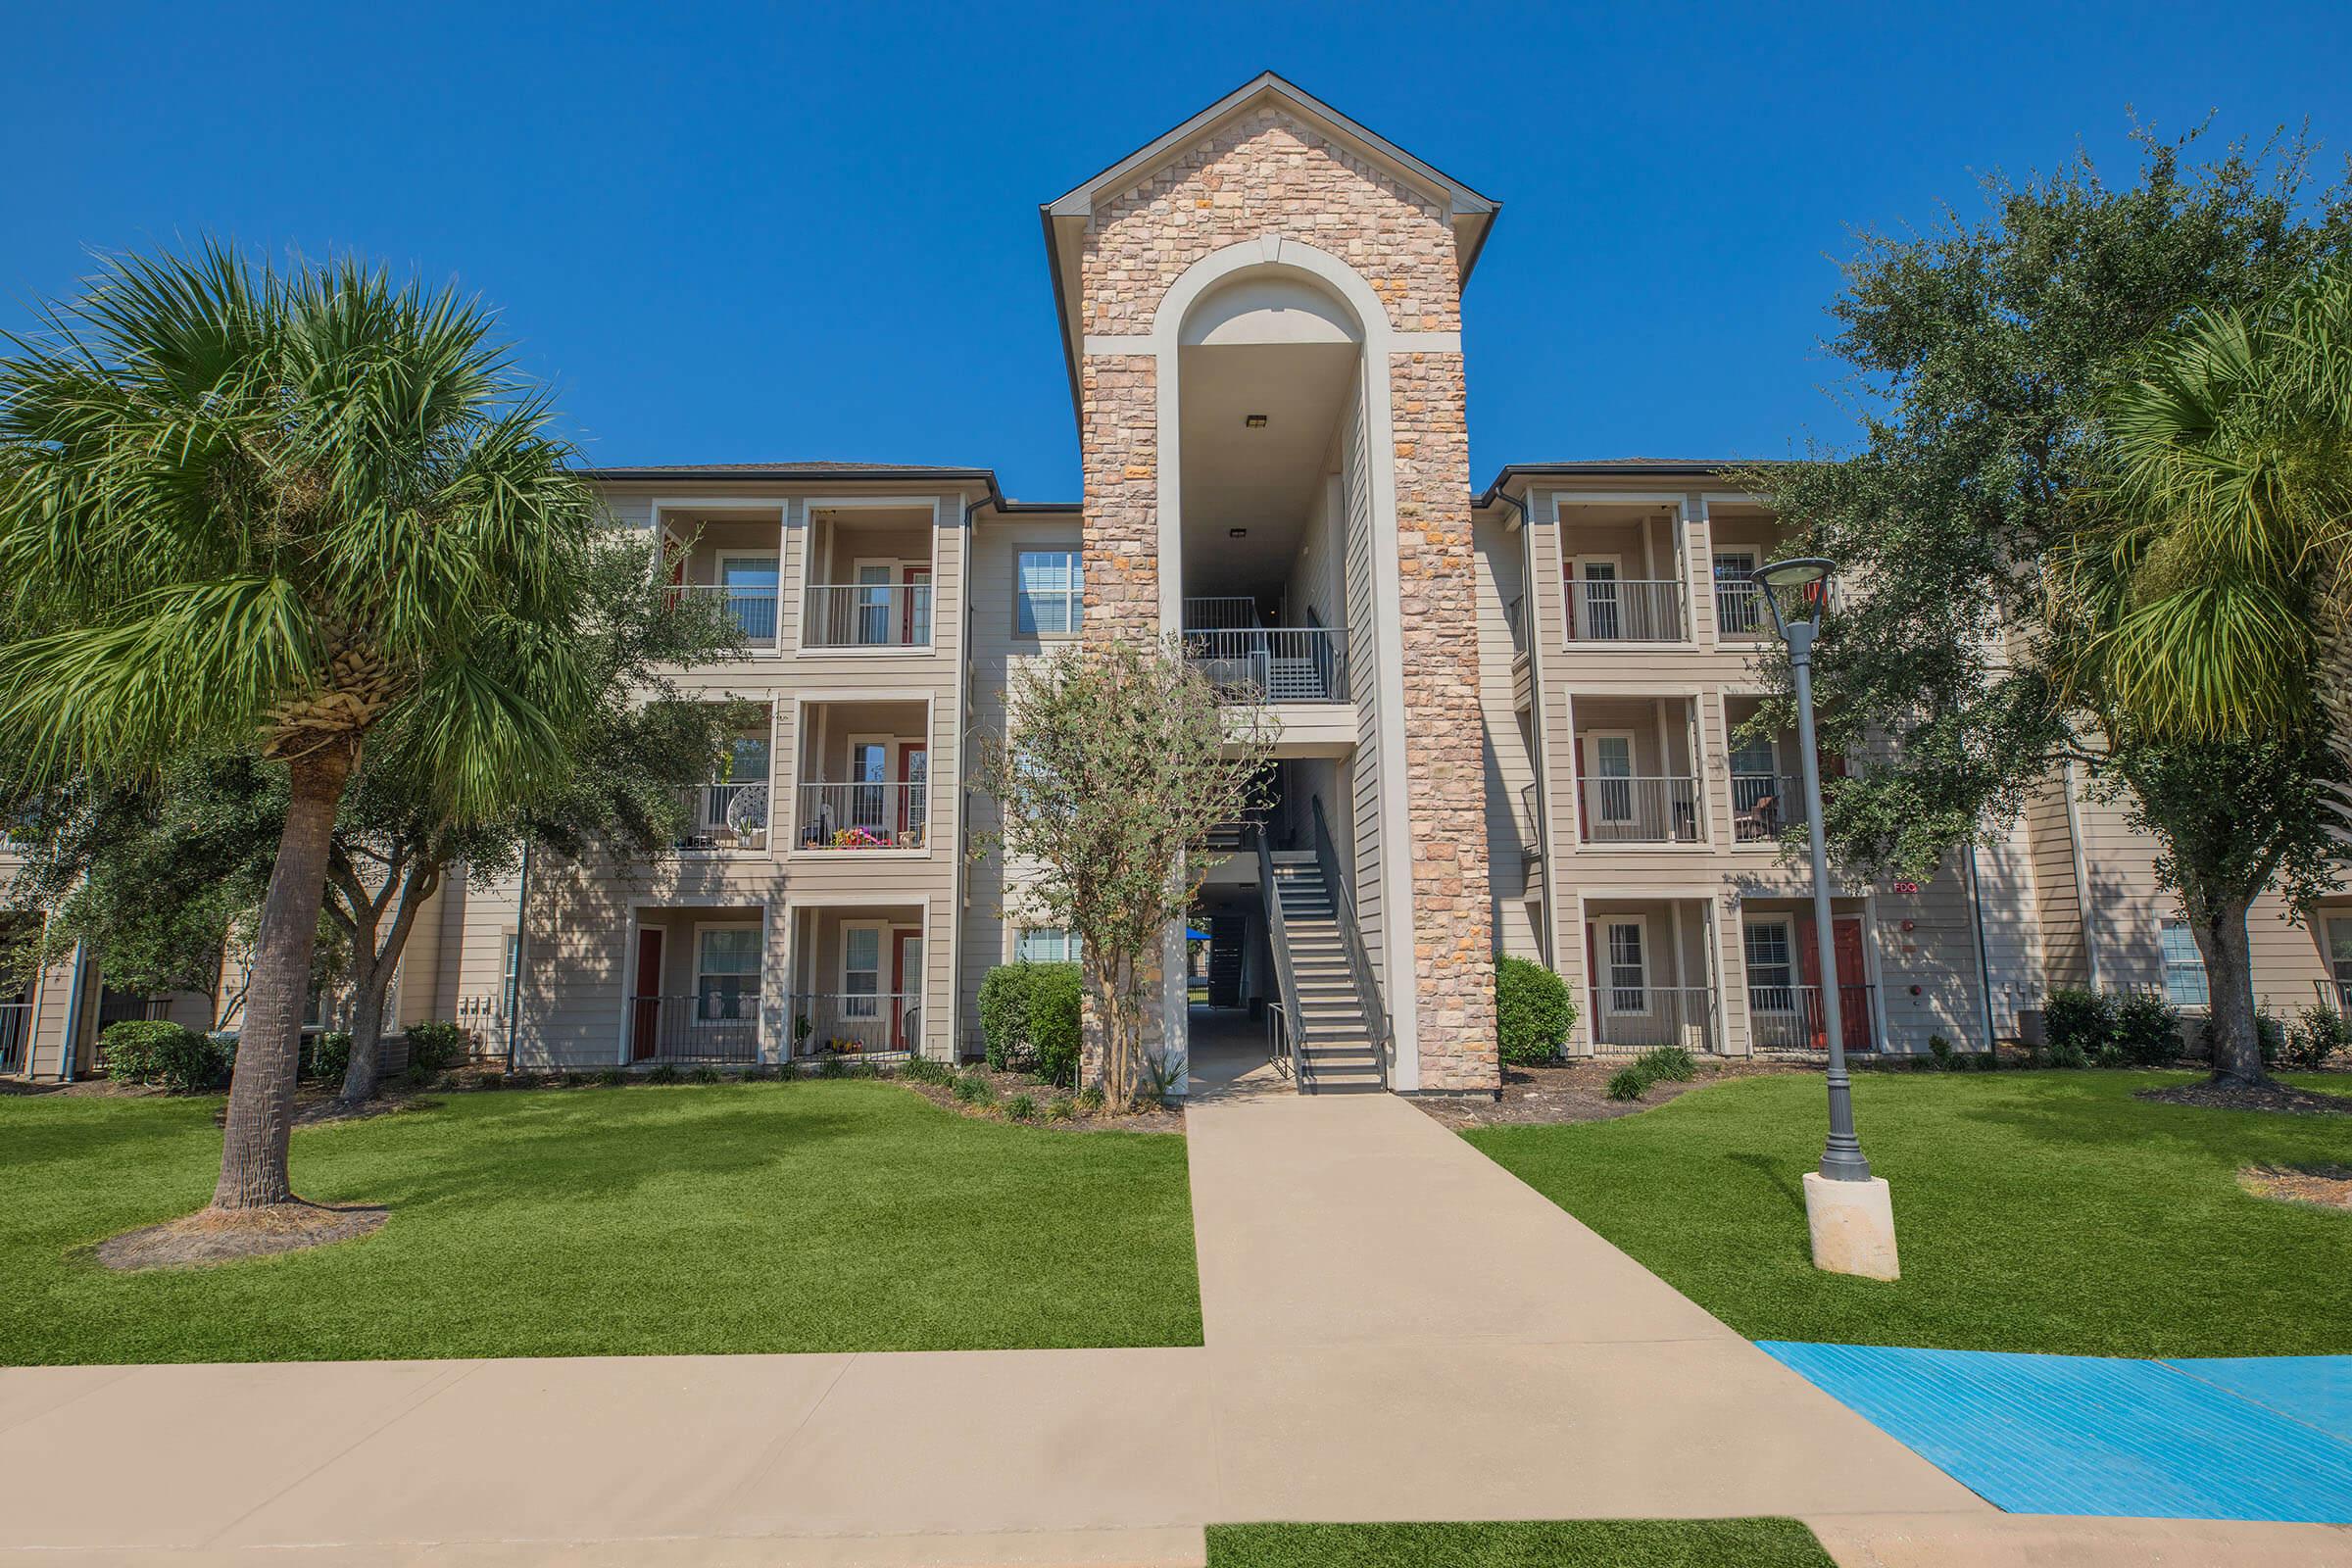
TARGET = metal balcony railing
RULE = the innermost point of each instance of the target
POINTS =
(1273, 663)
(868, 615)
(852, 1023)
(1790, 1018)
(16, 1036)
(717, 1028)
(1221, 614)
(1639, 811)
(1627, 1019)
(727, 816)
(1762, 803)
(753, 609)
(1741, 612)
(1625, 610)
(863, 816)
(1530, 821)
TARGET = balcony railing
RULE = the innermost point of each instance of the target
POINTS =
(1274, 664)
(857, 1023)
(753, 609)
(1625, 610)
(1741, 612)
(1762, 803)
(868, 615)
(727, 816)
(863, 816)
(1788, 1019)
(1627, 1019)
(1530, 821)
(1639, 811)
(16, 1036)
(716, 1029)
(1221, 614)
(1514, 616)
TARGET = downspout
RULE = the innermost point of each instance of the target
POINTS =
(2082, 867)
(522, 926)
(71, 1046)
(1976, 911)
(1546, 938)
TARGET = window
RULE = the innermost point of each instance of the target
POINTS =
(861, 971)
(2340, 960)
(2184, 966)
(873, 602)
(749, 585)
(513, 974)
(1048, 592)
(1046, 947)
(1628, 978)
(1771, 972)
(726, 978)
(1613, 778)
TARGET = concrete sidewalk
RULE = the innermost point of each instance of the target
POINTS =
(1397, 1329)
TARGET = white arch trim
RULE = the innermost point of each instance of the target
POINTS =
(1276, 255)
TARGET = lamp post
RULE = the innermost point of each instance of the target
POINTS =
(1851, 1217)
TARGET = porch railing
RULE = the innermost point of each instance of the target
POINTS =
(863, 816)
(1220, 614)
(1633, 609)
(727, 816)
(753, 609)
(16, 1036)
(1275, 663)
(848, 1023)
(1762, 803)
(1790, 1018)
(1630, 1019)
(1639, 811)
(716, 1029)
(1741, 612)
(868, 615)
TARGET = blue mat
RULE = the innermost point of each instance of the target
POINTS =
(2086, 1435)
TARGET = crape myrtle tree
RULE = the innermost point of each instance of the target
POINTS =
(163, 876)
(306, 511)
(1117, 760)
(1982, 354)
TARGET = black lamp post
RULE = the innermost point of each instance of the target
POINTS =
(1804, 585)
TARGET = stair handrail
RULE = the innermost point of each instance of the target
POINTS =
(1279, 939)
(1359, 959)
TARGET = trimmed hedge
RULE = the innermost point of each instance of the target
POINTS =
(1533, 1013)
(1029, 1020)
(150, 1050)
(2110, 1029)
(434, 1048)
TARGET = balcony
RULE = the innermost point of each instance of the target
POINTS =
(727, 816)
(1273, 663)
(752, 607)
(858, 1024)
(857, 816)
(1627, 810)
(712, 1028)
(1790, 1020)
(869, 614)
(1630, 1019)
(1611, 610)
(1763, 803)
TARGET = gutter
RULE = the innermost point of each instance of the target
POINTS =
(522, 927)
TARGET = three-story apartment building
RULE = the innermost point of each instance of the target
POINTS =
(1514, 721)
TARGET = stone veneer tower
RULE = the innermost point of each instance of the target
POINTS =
(1263, 184)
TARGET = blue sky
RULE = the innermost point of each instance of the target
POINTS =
(751, 234)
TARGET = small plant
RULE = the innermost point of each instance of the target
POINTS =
(1533, 1013)
(1062, 1107)
(1021, 1108)
(974, 1089)
(1628, 1083)
(703, 1075)
(664, 1072)
(435, 1047)
(326, 1056)
(151, 1051)
(1089, 1100)
(2318, 1033)
(611, 1078)
(832, 1067)
(925, 1070)
(1939, 1049)
(2076, 1024)
(1667, 1063)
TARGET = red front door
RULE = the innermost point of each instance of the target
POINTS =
(1854, 993)
(906, 984)
(914, 771)
(645, 1016)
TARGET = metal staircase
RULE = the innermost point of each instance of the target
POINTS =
(1334, 1028)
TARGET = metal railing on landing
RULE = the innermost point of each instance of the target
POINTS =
(1279, 940)
(863, 816)
(1616, 809)
(1630, 1019)
(1790, 1018)
(715, 1030)
(856, 1023)
(1281, 1054)
(1220, 614)
(1359, 959)
(1275, 663)
(753, 609)
(1631, 610)
(877, 614)
(1530, 821)
(1762, 803)
(16, 1036)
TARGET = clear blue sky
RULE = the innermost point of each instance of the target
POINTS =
(751, 234)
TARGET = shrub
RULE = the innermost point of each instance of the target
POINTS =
(326, 1056)
(662, 1072)
(2079, 1022)
(1628, 1083)
(434, 1048)
(1021, 1108)
(1940, 1051)
(1089, 1100)
(611, 1078)
(974, 1089)
(925, 1070)
(1062, 1107)
(151, 1051)
(1533, 1013)
(2270, 1032)
(1669, 1064)
(1029, 1019)
(1055, 1032)
(2146, 1030)
(2318, 1033)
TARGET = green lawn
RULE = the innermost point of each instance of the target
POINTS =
(1568, 1543)
(735, 1217)
(2035, 1212)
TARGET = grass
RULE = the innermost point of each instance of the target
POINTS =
(2035, 1212)
(719, 1219)
(1566, 1543)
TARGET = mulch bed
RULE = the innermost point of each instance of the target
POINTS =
(227, 1236)
(1579, 1091)
(2319, 1186)
(1159, 1120)
(2280, 1097)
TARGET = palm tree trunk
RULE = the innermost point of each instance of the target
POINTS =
(260, 1093)
(2230, 987)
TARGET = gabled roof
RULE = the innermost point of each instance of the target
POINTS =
(1066, 215)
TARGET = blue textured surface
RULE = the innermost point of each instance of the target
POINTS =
(2087, 1434)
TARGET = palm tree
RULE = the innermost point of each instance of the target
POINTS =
(307, 510)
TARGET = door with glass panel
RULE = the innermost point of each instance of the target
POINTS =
(748, 583)
(1609, 784)
(869, 787)
(863, 1023)
(1597, 592)
(873, 606)
(1737, 612)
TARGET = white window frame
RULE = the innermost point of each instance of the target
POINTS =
(1593, 773)
(1796, 971)
(1069, 943)
(881, 933)
(757, 976)
(2167, 965)
(1611, 925)
(891, 568)
(1074, 595)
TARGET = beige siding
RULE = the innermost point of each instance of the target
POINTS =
(1363, 662)
(1514, 867)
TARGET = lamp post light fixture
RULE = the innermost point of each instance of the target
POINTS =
(1849, 1211)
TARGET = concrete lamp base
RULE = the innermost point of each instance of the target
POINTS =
(1852, 1225)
